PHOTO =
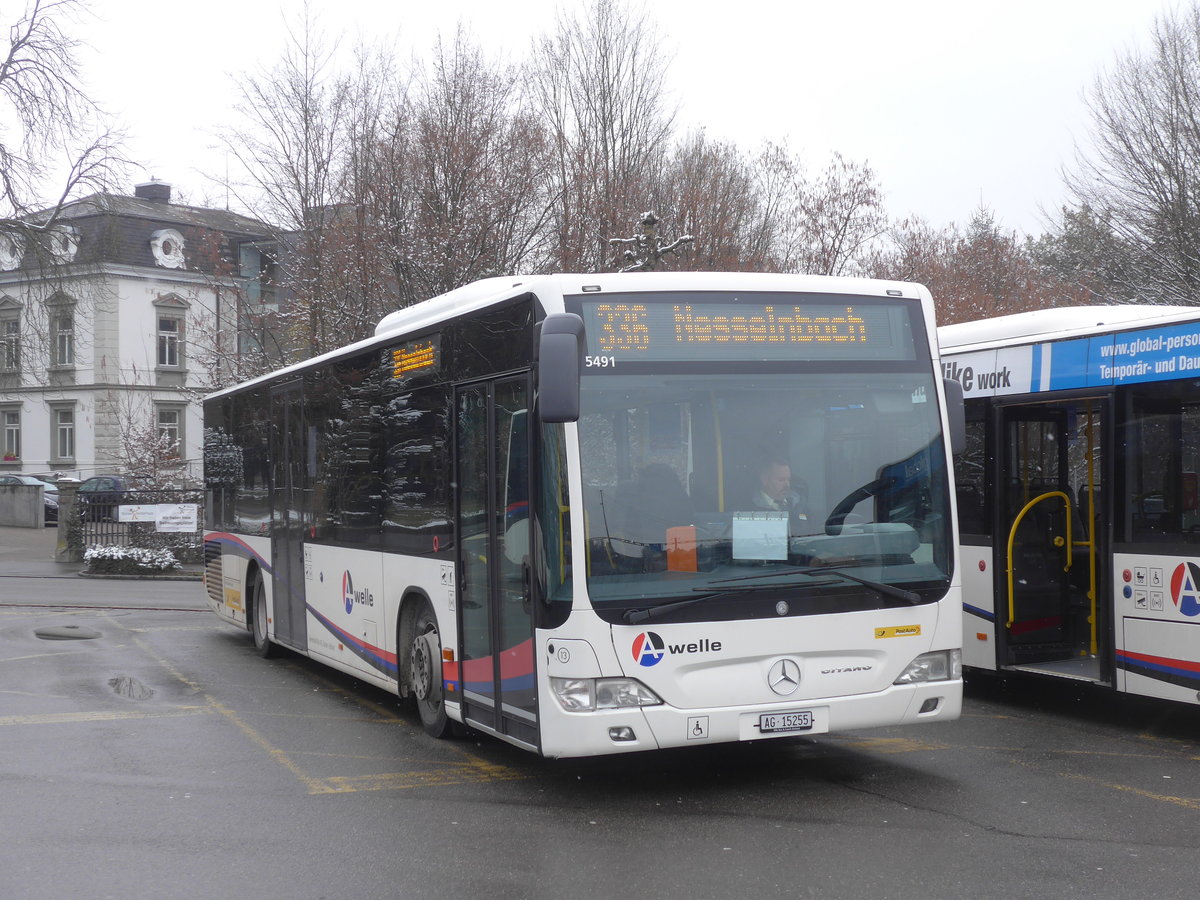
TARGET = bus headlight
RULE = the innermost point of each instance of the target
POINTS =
(590, 694)
(940, 665)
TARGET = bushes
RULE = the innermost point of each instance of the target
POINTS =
(129, 561)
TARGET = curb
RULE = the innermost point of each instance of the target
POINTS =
(182, 576)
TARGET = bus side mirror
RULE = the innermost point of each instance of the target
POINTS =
(560, 362)
(956, 413)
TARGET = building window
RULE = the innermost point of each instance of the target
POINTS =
(12, 435)
(10, 348)
(170, 428)
(63, 338)
(64, 433)
(169, 333)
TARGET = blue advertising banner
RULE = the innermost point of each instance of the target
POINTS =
(1129, 357)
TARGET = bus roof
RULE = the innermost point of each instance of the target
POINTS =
(481, 294)
(1052, 324)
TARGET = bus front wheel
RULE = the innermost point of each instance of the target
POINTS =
(425, 671)
(258, 618)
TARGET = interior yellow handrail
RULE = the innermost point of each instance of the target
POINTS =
(1012, 536)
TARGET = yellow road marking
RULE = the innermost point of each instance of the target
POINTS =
(100, 716)
(1185, 802)
(455, 773)
(41, 655)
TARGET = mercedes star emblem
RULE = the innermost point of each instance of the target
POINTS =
(784, 677)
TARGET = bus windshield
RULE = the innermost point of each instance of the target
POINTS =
(713, 493)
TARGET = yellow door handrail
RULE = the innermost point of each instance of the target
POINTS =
(1012, 537)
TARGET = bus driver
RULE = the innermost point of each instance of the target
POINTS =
(775, 490)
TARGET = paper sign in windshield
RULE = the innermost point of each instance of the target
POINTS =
(760, 535)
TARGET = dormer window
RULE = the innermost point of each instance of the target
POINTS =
(167, 246)
(63, 241)
(12, 247)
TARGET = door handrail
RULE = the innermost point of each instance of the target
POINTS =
(1012, 537)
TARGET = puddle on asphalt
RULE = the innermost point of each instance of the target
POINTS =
(130, 688)
(66, 633)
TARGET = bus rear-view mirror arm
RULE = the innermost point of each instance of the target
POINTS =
(560, 362)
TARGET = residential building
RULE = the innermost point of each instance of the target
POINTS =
(112, 320)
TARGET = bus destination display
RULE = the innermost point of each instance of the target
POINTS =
(415, 357)
(756, 330)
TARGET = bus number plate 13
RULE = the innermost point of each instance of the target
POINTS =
(777, 723)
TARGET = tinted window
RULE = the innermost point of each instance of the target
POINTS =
(416, 476)
(342, 445)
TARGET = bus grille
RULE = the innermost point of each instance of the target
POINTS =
(212, 572)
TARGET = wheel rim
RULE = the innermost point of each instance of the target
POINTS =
(421, 665)
(260, 613)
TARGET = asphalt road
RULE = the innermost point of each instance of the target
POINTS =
(146, 751)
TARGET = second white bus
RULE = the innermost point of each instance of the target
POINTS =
(1078, 497)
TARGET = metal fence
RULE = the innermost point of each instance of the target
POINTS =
(150, 519)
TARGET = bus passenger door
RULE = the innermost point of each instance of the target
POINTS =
(1048, 500)
(289, 516)
(492, 472)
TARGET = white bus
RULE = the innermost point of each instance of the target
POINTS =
(532, 505)
(1077, 495)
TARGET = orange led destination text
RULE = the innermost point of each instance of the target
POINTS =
(624, 327)
(411, 359)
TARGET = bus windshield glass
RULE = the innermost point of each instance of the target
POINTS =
(725, 478)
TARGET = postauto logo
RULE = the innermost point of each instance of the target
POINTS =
(1185, 588)
(351, 596)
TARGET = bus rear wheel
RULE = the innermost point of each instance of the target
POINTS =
(425, 671)
(258, 619)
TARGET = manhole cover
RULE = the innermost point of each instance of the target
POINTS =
(67, 633)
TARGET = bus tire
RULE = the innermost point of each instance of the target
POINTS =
(263, 645)
(425, 671)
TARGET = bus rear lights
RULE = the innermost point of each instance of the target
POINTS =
(621, 734)
(940, 665)
(591, 694)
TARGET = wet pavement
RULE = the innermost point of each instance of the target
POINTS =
(149, 752)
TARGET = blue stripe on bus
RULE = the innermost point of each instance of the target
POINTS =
(976, 611)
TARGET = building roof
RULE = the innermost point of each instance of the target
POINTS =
(163, 211)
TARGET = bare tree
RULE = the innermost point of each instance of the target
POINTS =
(54, 143)
(710, 187)
(290, 146)
(1142, 170)
(841, 216)
(480, 163)
(599, 82)
(52, 139)
(981, 271)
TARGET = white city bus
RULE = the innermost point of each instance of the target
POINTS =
(530, 504)
(1077, 495)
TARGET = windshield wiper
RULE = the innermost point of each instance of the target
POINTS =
(888, 590)
(635, 616)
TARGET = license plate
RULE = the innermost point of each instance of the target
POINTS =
(775, 723)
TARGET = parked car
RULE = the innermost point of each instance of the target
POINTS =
(100, 495)
(49, 493)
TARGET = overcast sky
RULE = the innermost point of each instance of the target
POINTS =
(952, 103)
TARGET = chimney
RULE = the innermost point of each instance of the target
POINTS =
(153, 190)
